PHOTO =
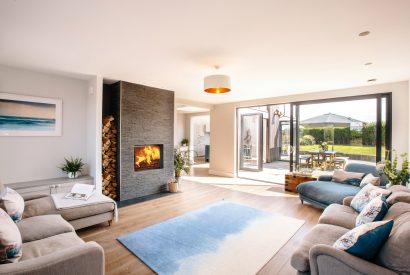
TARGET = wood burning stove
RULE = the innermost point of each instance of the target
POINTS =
(148, 157)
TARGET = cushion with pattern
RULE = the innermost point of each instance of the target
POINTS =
(13, 204)
(10, 239)
(369, 178)
(374, 211)
(366, 240)
(365, 195)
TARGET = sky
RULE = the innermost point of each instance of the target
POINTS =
(27, 109)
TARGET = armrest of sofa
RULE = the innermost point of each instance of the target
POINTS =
(30, 197)
(325, 178)
(347, 200)
(86, 259)
(325, 259)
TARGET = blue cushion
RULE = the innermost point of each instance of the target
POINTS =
(374, 211)
(366, 240)
(327, 192)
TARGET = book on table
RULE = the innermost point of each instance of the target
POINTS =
(81, 191)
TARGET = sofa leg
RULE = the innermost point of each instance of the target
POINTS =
(301, 201)
(109, 222)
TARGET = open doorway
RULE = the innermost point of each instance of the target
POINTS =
(264, 142)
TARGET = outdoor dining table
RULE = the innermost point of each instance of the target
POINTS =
(320, 156)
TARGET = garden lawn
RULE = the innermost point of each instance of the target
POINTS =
(346, 149)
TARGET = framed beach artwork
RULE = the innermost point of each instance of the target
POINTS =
(22, 115)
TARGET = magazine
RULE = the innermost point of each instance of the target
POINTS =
(81, 191)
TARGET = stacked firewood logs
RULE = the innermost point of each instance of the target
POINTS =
(109, 157)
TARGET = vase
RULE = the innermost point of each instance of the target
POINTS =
(72, 175)
(388, 185)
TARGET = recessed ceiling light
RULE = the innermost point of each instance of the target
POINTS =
(368, 63)
(372, 80)
(365, 33)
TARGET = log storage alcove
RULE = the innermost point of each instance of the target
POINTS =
(109, 157)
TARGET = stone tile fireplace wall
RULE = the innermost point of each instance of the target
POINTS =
(146, 116)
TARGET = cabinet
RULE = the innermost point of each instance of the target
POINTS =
(49, 186)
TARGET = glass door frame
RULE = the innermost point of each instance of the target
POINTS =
(259, 141)
(294, 123)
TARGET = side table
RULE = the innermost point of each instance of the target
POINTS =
(292, 180)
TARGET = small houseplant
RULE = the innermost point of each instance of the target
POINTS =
(181, 163)
(184, 142)
(72, 167)
(389, 168)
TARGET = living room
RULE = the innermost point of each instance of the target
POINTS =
(165, 110)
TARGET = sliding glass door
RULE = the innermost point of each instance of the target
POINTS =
(326, 134)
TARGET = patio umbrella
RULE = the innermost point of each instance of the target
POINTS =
(330, 120)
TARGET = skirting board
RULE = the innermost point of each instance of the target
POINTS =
(222, 174)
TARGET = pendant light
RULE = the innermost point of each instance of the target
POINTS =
(217, 84)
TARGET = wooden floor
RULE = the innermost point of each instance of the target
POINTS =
(194, 196)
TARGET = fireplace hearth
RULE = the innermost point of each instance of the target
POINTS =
(147, 157)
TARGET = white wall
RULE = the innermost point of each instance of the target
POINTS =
(34, 158)
(223, 121)
(179, 129)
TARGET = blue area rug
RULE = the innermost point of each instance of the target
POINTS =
(222, 238)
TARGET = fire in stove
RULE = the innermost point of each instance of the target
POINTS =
(147, 157)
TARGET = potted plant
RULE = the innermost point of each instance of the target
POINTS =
(181, 163)
(184, 142)
(72, 167)
(389, 169)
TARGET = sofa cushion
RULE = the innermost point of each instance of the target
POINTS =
(45, 206)
(398, 196)
(374, 211)
(395, 253)
(365, 195)
(369, 178)
(352, 178)
(327, 192)
(340, 215)
(10, 239)
(367, 169)
(320, 234)
(365, 240)
(49, 245)
(41, 227)
(13, 204)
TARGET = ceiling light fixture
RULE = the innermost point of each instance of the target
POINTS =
(217, 84)
(365, 33)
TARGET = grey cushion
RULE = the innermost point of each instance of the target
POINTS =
(327, 192)
(320, 234)
(340, 215)
(395, 253)
(49, 245)
(45, 206)
(41, 227)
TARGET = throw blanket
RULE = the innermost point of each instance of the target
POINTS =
(61, 202)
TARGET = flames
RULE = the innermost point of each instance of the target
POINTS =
(147, 155)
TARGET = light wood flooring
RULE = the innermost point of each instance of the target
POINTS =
(194, 196)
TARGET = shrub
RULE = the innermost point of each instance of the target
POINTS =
(307, 140)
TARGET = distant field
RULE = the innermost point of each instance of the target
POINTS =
(346, 149)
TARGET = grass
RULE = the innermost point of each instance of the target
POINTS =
(347, 149)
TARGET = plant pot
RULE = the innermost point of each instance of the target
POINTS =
(173, 187)
(72, 175)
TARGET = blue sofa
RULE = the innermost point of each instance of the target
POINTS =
(324, 191)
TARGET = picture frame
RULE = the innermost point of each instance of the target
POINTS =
(22, 115)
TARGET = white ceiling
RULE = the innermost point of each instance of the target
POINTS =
(268, 47)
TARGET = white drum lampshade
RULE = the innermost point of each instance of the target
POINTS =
(217, 84)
